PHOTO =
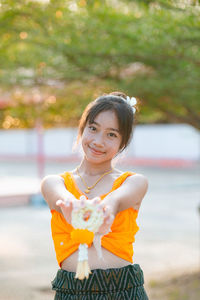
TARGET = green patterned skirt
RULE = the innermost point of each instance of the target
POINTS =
(110, 284)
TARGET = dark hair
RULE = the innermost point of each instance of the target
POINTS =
(114, 102)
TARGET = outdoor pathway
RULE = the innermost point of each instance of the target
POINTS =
(167, 242)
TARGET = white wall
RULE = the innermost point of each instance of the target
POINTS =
(166, 141)
(149, 141)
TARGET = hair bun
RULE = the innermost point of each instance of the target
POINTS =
(119, 94)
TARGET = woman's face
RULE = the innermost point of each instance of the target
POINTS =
(101, 140)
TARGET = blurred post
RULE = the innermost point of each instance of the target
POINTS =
(37, 199)
(199, 233)
(40, 148)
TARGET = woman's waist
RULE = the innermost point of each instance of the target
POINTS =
(109, 260)
(112, 281)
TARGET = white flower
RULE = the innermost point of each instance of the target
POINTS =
(133, 109)
(96, 216)
(132, 102)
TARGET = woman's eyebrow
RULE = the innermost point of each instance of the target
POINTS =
(112, 129)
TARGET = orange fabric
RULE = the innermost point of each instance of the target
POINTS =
(82, 236)
(118, 241)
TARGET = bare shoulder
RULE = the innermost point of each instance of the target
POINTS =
(134, 189)
(49, 186)
(138, 184)
(50, 181)
(138, 180)
(116, 173)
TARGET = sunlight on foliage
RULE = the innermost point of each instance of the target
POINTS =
(73, 51)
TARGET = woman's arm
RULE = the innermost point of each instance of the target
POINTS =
(53, 189)
(129, 194)
(58, 198)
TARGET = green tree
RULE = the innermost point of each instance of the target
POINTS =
(56, 56)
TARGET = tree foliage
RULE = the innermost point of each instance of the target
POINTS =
(56, 56)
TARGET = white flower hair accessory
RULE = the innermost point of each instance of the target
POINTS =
(132, 102)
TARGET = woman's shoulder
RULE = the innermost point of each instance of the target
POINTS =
(134, 188)
(49, 179)
(131, 178)
(49, 186)
(118, 173)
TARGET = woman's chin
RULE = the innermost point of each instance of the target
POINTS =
(95, 160)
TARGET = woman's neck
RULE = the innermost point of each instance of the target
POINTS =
(92, 169)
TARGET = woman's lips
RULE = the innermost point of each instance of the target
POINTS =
(96, 151)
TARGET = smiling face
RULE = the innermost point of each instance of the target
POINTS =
(101, 139)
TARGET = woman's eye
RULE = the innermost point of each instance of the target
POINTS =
(92, 128)
(112, 134)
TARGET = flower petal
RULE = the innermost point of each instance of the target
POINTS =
(133, 101)
(128, 99)
(134, 110)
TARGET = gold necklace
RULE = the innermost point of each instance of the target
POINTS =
(88, 188)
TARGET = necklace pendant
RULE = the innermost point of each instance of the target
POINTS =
(87, 191)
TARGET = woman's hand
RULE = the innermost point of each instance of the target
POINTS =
(72, 203)
(69, 204)
(108, 220)
(108, 216)
(66, 207)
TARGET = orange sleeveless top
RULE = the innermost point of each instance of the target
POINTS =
(119, 241)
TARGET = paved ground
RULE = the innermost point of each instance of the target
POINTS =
(168, 240)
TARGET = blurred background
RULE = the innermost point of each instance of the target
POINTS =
(57, 56)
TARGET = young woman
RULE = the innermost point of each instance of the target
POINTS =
(105, 130)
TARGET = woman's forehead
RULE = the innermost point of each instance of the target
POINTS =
(107, 119)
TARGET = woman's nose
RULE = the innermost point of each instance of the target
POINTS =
(99, 140)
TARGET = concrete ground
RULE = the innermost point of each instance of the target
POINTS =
(167, 243)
